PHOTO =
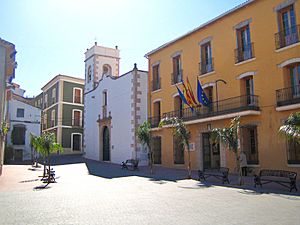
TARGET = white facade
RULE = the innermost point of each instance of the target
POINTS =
(116, 103)
(22, 114)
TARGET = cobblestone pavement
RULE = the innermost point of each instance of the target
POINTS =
(89, 192)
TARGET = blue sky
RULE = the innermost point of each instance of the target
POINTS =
(51, 36)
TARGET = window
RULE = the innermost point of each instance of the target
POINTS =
(206, 64)
(20, 113)
(89, 74)
(156, 78)
(52, 118)
(249, 143)
(293, 152)
(288, 30)
(18, 135)
(178, 149)
(106, 70)
(77, 96)
(45, 121)
(244, 49)
(46, 101)
(105, 98)
(77, 118)
(177, 71)
(53, 95)
(104, 107)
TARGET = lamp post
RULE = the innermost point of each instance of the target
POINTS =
(217, 96)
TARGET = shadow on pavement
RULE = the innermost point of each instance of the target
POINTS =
(162, 175)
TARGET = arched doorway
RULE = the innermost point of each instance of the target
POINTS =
(106, 152)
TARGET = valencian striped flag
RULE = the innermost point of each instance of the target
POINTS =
(201, 95)
(190, 91)
(188, 96)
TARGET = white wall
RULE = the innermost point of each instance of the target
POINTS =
(32, 119)
(119, 104)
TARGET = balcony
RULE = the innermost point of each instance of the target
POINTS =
(223, 107)
(288, 96)
(176, 77)
(287, 37)
(244, 53)
(206, 66)
(154, 121)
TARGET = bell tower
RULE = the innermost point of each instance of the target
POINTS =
(100, 61)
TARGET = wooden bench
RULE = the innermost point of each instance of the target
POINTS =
(284, 178)
(220, 173)
(130, 164)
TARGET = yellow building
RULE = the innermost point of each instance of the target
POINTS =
(248, 62)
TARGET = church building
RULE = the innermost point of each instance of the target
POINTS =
(114, 106)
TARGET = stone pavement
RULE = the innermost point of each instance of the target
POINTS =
(89, 192)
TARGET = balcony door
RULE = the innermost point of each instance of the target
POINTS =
(244, 50)
(178, 107)
(249, 90)
(288, 26)
(295, 80)
(156, 116)
(206, 58)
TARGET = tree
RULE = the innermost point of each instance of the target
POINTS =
(144, 135)
(46, 144)
(291, 127)
(34, 153)
(229, 136)
(183, 134)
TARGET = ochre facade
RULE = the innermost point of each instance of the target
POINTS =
(255, 50)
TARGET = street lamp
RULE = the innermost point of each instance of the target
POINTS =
(217, 96)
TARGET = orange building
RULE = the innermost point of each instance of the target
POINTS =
(248, 62)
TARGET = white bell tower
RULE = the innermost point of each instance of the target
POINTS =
(100, 61)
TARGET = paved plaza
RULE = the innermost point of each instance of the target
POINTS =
(89, 192)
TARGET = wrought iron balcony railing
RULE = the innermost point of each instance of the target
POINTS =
(206, 66)
(226, 106)
(154, 121)
(288, 96)
(287, 37)
(244, 53)
(155, 84)
(176, 77)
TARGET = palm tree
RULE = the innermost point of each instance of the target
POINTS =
(183, 134)
(144, 135)
(291, 127)
(46, 145)
(229, 136)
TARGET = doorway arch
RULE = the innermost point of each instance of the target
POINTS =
(106, 144)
